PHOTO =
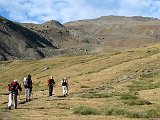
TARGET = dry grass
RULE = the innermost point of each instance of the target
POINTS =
(96, 81)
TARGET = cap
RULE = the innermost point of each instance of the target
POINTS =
(51, 77)
(29, 76)
(65, 78)
(15, 80)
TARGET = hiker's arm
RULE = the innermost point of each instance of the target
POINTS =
(53, 82)
(19, 87)
(31, 84)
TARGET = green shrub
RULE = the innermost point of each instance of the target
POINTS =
(85, 110)
(144, 86)
(148, 75)
(152, 113)
(134, 115)
(128, 96)
(95, 95)
(113, 111)
(83, 86)
(136, 102)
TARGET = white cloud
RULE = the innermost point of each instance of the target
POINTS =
(39, 11)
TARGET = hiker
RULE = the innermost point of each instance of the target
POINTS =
(13, 88)
(64, 84)
(27, 83)
(65, 78)
(50, 83)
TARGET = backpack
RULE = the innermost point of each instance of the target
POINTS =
(27, 83)
(13, 86)
(64, 83)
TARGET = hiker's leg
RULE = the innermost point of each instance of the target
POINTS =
(63, 89)
(10, 101)
(50, 90)
(67, 90)
(29, 94)
(15, 100)
(26, 94)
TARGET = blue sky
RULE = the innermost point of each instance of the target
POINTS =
(39, 11)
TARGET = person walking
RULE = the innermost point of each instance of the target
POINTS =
(27, 83)
(13, 88)
(64, 87)
(50, 83)
(65, 78)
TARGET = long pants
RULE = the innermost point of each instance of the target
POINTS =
(12, 98)
(50, 90)
(67, 89)
(27, 93)
(64, 90)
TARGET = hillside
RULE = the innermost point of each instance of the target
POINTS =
(107, 34)
(123, 85)
(18, 42)
(117, 31)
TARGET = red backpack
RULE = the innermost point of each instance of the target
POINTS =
(13, 86)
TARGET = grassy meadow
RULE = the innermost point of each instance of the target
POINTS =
(122, 85)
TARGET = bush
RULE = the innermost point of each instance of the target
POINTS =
(152, 113)
(84, 86)
(113, 111)
(128, 96)
(148, 75)
(137, 102)
(144, 86)
(84, 110)
(95, 95)
(130, 99)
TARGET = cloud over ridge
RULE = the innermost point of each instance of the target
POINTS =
(39, 11)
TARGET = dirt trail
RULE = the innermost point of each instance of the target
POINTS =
(57, 107)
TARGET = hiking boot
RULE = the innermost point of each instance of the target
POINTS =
(9, 107)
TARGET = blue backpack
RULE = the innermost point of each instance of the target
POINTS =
(27, 83)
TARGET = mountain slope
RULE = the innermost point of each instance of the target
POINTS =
(117, 31)
(124, 85)
(18, 42)
(103, 35)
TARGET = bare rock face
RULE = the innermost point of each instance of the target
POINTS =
(3, 58)
(102, 35)
(18, 42)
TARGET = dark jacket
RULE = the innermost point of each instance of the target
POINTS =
(51, 82)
